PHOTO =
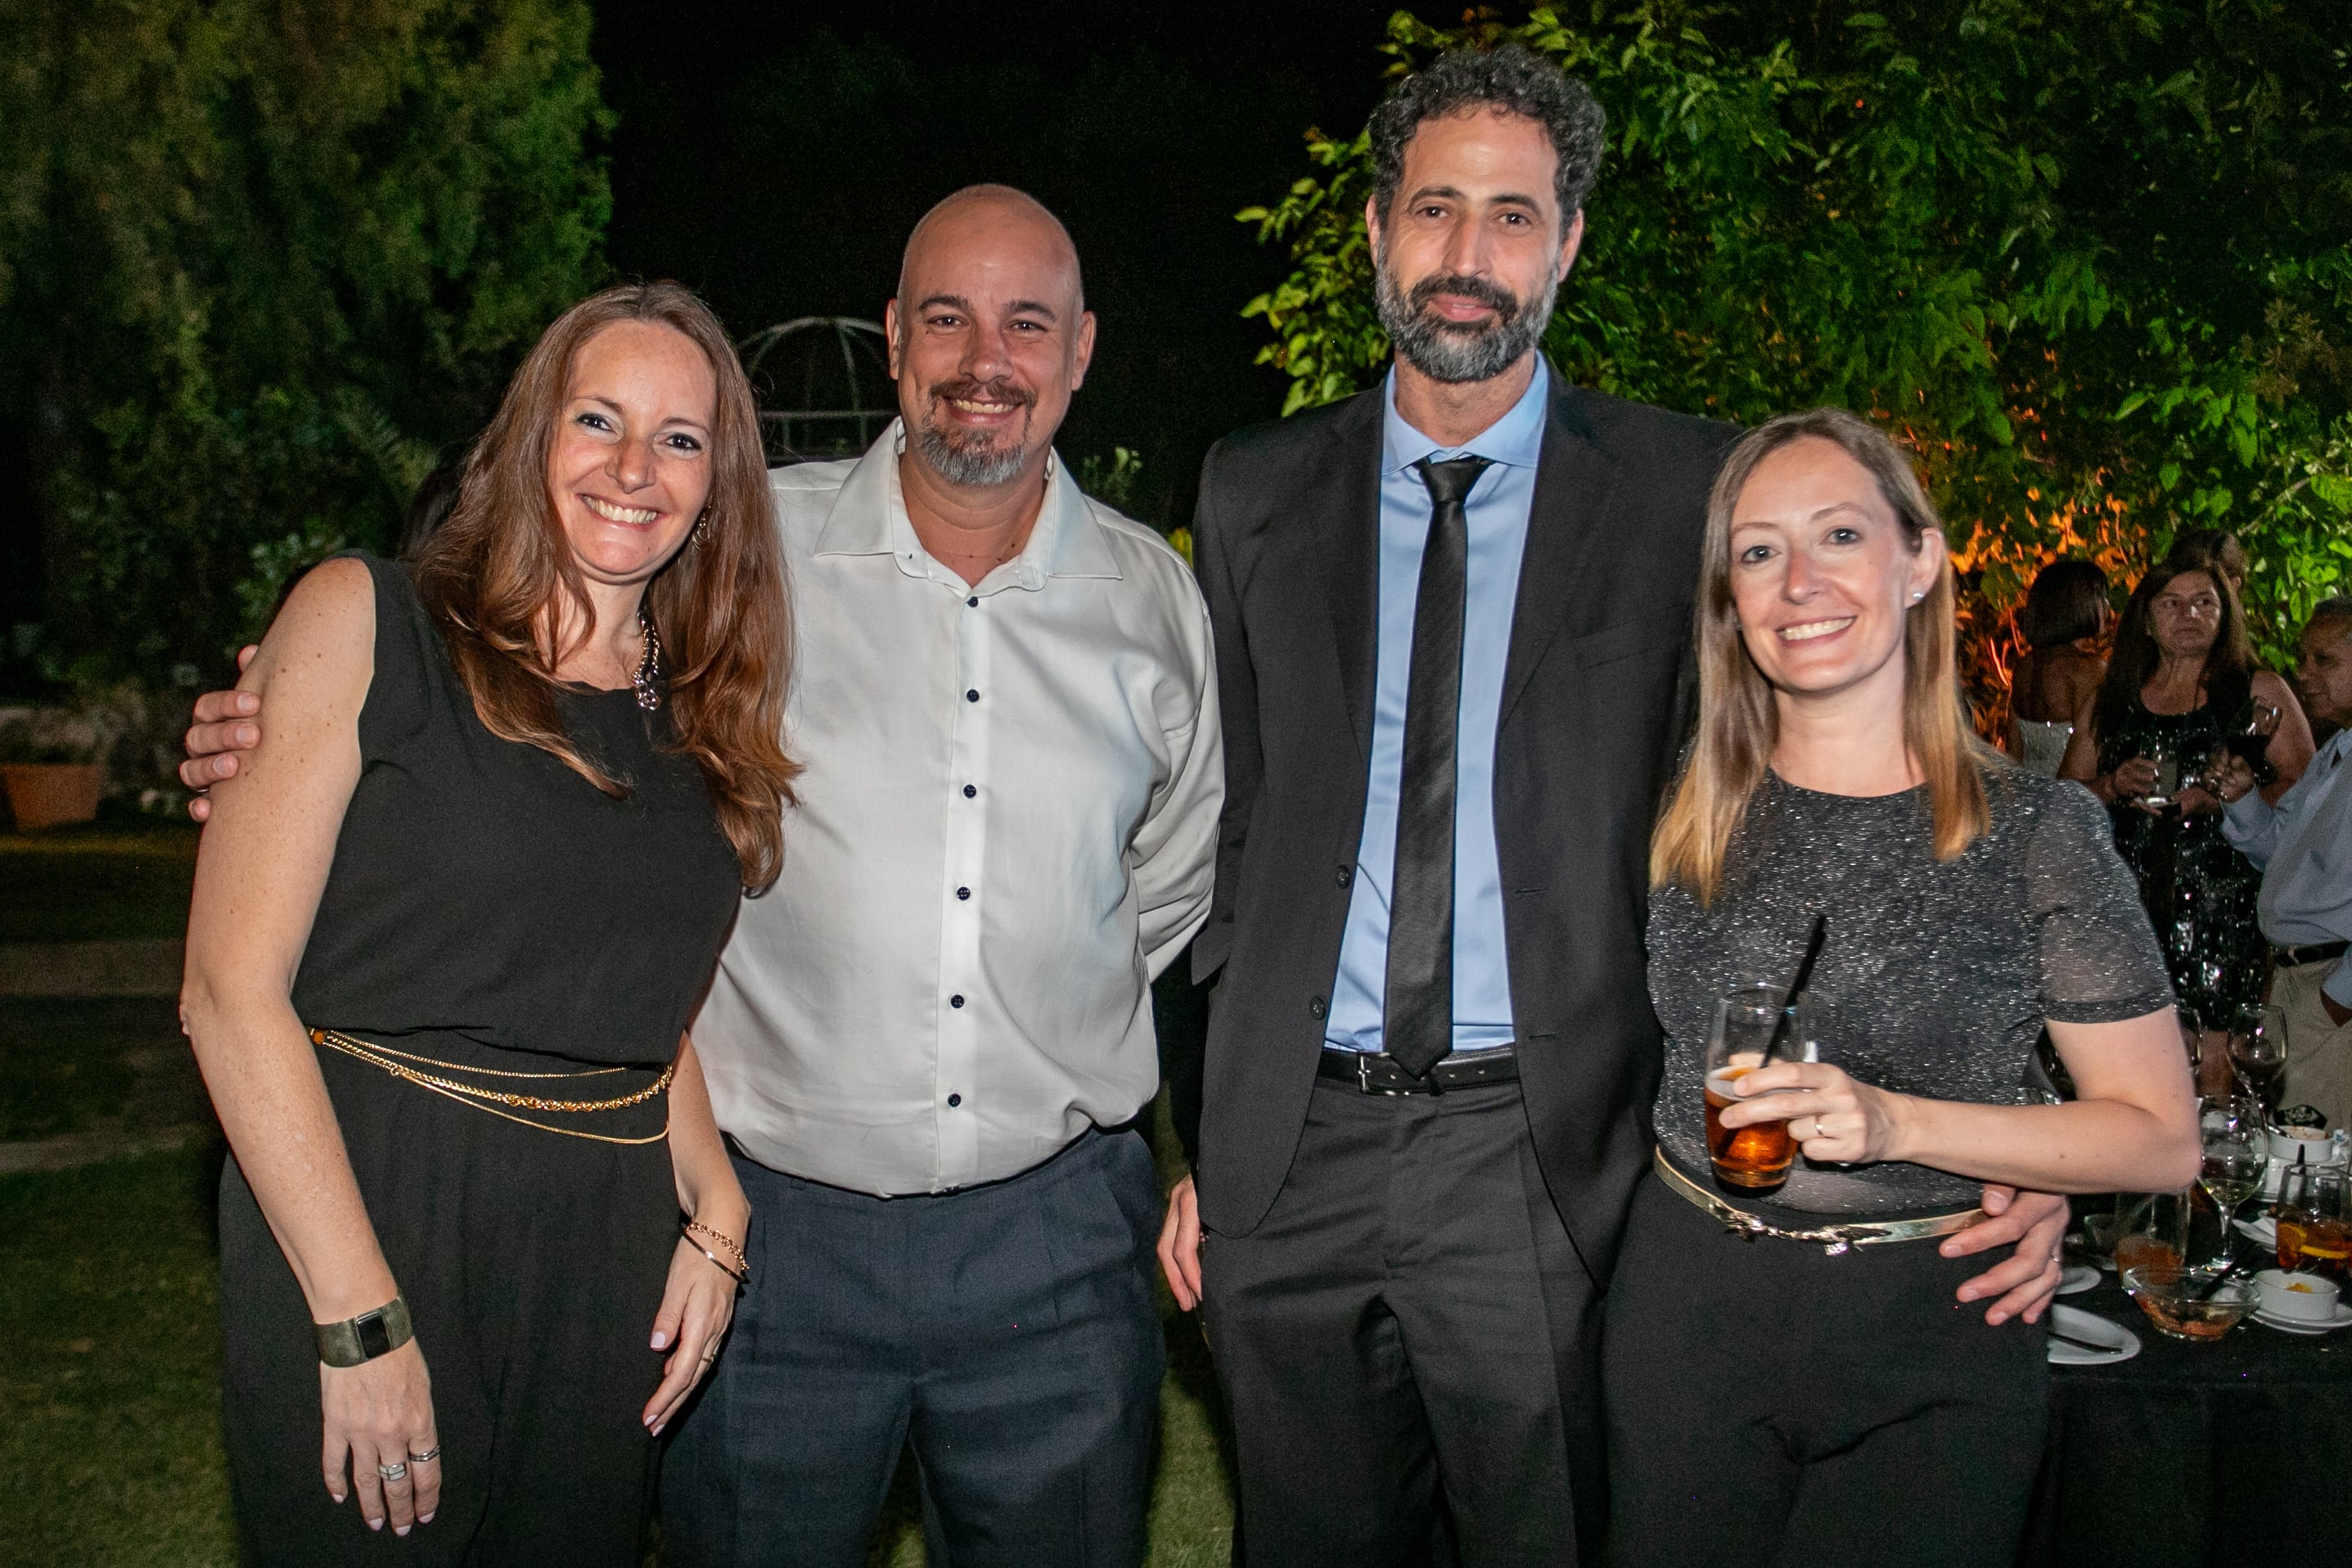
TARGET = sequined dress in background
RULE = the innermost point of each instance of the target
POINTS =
(2198, 891)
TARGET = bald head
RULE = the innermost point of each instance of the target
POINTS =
(989, 219)
(989, 336)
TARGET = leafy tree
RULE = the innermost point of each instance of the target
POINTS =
(260, 260)
(2092, 264)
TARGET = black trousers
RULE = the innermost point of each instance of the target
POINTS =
(532, 1264)
(1406, 1342)
(1008, 1332)
(1771, 1404)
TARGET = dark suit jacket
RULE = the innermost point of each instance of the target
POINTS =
(1596, 692)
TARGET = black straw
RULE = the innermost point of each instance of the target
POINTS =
(1796, 987)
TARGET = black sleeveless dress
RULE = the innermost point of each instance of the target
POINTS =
(488, 907)
(2199, 890)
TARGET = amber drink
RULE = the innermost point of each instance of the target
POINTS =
(1753, 1159)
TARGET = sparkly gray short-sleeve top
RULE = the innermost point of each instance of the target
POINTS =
(1937, 977)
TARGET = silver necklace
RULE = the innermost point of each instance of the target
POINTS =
(649, 695)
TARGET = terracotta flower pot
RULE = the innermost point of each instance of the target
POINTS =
(50, 795)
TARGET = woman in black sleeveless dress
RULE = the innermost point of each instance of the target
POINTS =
(2182, 682)
(451, 920)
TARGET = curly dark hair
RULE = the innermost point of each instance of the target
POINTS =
(1510, 78)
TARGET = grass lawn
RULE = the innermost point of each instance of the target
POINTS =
(107, 881)
(109, 1438)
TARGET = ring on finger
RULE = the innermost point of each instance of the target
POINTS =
(392, 1473)
(426, 1457)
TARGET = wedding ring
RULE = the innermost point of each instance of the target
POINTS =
(425, 1457)
(392, 1473)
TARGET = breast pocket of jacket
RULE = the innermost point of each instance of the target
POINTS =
(1661, 635)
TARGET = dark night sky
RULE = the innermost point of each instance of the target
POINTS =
(774, 158)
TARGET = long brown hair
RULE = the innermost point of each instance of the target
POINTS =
(495, 573)
(2229, 665)
(1737, 723)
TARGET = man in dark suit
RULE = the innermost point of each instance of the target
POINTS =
(1453, 623)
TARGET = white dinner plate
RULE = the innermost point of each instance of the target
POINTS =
(2304, 1326)
(2081, 1277)
(2119, 1343)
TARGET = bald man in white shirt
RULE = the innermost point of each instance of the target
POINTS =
(928, 1043)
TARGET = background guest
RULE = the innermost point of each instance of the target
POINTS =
(1768, 1396)
(2215, 549)
(2180, 682)
(2064, 620)
(2303, 845)
(452, 915)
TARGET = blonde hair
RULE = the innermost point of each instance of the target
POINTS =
(1738, 722)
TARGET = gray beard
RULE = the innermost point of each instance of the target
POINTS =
(970, 464)
(1445, 352)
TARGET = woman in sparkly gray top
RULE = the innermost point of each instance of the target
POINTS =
(1787, 1379)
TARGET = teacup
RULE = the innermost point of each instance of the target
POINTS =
(2306, 1298)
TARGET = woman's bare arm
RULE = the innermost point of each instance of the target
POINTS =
(261, 869)
(2131, 1128)
(699, 1300)
(259, 874)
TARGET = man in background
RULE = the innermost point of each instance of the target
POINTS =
(2303, 845)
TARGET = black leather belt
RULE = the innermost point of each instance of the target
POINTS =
(2309, 953)
(1381, 1075)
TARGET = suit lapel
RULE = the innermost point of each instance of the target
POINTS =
(1347, 494)
(1573, 478)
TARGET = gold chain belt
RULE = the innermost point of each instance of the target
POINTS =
(1834, 1238)
(489, 1100)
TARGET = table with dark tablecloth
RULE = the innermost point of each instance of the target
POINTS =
(2191, 1455)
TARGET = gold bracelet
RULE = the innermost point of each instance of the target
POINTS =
(725, 1241)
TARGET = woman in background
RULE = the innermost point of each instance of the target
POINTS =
(2181, 683)
(451, 919)
(2063, 622)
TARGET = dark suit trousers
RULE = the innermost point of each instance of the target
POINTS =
(1407, 1345)
(1008, 1333)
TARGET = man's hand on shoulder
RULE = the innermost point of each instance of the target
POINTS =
(227, 722)
(2024, 1284)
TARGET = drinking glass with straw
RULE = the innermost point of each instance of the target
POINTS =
(1754, 1023)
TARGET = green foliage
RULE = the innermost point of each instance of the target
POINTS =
(258, 263)
(1112, 482)
(2090, 263)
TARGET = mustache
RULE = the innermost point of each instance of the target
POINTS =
(971, 390)
(1478, 291)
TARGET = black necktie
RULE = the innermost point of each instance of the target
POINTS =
(1417, 1013)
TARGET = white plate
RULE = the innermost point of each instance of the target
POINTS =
(2305, 1326)
(2121, 1343)
(2265, 1230)
(2081, 1277)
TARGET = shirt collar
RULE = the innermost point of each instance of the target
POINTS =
(1516, 438)
(869, 518)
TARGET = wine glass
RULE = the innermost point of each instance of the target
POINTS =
(2258, 1053)
(2236, 1155)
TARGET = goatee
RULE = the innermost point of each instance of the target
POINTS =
(1457, 352)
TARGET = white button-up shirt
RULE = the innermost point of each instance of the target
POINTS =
(1007, 827)
(2303, 845)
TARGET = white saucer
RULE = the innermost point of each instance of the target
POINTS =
(2121, 1343)
(2081, 1277)
(2301, 1326)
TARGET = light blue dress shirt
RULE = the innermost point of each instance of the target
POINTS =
(1496, 513)
(2303, 844)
